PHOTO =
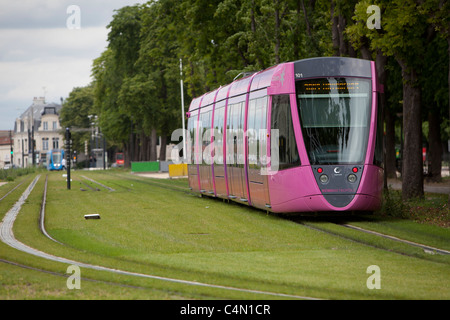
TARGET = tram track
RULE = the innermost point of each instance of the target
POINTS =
(372, 243)
(11, 191)
(307, 224)
(65, 275)
(42, 213)
(7, 236)
(426, 248)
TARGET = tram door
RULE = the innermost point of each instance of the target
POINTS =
(204, 141)
(192, 152)
(235, 151)
(219, 169)
(257, 150)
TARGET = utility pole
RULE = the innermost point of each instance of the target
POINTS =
(68, 144)
(182, 110)
(11, 146)
(33, 145)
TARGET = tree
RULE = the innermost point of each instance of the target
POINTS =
(158, 65)
(402, 36)
(74, 114)
(110, 71)
(341, 14)
(437, 13)
(435, 102)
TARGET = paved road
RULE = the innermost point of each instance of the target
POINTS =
(428, 187)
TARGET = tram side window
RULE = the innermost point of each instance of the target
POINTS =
(257, 133)
(252, 135)
(379, 144)
(205, 118)
(281, 119)
(218, 134)
(235, 136)
(191, 144)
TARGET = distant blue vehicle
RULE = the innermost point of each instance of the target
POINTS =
(54, 159)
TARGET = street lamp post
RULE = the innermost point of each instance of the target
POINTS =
(11, 149)
(68, 144)
(182, 110)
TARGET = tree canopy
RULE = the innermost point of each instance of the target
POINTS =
(136, 92)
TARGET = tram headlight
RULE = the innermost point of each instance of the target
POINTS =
(323, 178)
(351, 178)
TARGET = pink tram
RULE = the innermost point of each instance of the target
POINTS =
(300, 136)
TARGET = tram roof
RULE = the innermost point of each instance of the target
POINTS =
(255, 81)
(306, 68)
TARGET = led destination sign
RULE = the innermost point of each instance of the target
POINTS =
(331, 88)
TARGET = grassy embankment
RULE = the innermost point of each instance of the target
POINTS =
(150, 229)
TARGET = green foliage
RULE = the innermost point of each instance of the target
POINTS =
(433, 210)
(74, 114)
(148, 227)
(12, 174)
(136, 79)
(393, 205)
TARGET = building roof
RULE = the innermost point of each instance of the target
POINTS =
(5, 138)
(37, 110)
(38, 107)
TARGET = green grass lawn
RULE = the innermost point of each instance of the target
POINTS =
(148, 228)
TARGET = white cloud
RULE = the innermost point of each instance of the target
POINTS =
(38, 50)
(53, 13)
(30, 44)
(57, 59)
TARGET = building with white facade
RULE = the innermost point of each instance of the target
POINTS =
(39, 123)
(5, 148)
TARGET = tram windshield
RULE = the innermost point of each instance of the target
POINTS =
(335, 118)
(57, 157)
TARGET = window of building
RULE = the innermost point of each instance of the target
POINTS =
(44, 143)
(55, 143)
(45, 124)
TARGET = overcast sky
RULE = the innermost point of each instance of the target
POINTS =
(47, 48)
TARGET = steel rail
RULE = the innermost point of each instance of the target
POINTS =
(10, 191)
(7, 236)
(426, 248)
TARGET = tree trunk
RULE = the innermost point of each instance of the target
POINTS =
(412, 168)
(434, 147)
(162, 150)
(381, 61)
(307, 23)
(137, 149)
(342, 43)
(277, 33)
(148, 143)
(143, 147)
(126, 152)
(448, 41)
(334, 29)
(390, 167)
(153, 152)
